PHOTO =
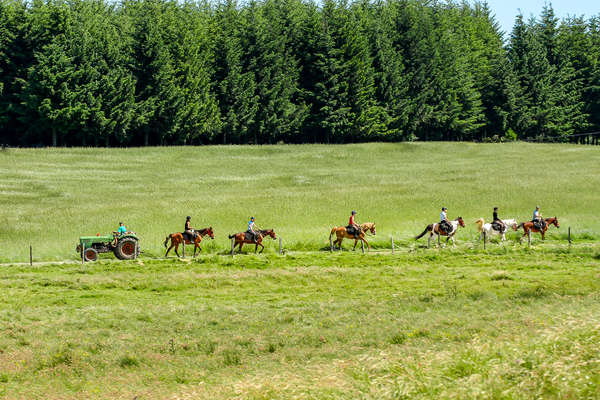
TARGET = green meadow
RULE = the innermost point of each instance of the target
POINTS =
(50, 197)
(506, 322)
(430, 324)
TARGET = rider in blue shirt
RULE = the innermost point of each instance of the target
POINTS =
(122, 230)
(537, 217)
(252, 229)
(444, 224)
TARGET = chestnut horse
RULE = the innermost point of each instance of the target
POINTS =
(341, 233)
(177, 239)
(240, 239)
(529, 226)
(435, 229)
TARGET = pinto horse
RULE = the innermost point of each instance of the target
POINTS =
(435, 229)
(530, 226)
(240, 239)
(489, 231)
(177, 239)
(341, 233)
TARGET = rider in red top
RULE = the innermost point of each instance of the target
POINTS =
(353, 228)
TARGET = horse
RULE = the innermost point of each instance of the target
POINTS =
(341, 233)
(177, 239)
(530, 226)
(435, 228)
(489, 231)
(240, 239)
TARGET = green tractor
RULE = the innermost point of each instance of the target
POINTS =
(125, 246)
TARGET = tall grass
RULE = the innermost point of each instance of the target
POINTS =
(50, 197)
(425, 325)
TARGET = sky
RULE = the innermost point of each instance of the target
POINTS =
(507, 10)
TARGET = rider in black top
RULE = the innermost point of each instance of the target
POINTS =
(497, 223)
(188, 231)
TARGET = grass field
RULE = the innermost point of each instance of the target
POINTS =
(50, 197)
(431, 324)
(509, 322)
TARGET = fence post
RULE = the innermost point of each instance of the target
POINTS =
(279, 245)
(392, 245)
(362, 246)
(183, 247)
(569, 236)
(484, 240)
(232, 242)
(529, 238)
(30, 255)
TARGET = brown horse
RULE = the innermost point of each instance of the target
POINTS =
(341, 233)
(240, 239)
(177, 239)
(529, 226)
(434, 229)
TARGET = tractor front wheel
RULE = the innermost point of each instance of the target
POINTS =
(90, 254)
(127, 249)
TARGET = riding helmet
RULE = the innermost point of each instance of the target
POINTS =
(188, 217)
(353, 212)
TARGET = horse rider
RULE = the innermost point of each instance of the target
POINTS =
(253, 230)
(444, 223)
(188, 231)
(537, 220)
(353, 228)
(121, 231)
(497, 223)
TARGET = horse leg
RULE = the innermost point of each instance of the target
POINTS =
(262, 248)
(367, 243)
(240, 246)
(355, 242)
(176, 249)
(168, 250)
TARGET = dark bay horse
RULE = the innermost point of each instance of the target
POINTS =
(530, 226)
(241, 239)
(435, 229)
(177, 239)
(341, 233)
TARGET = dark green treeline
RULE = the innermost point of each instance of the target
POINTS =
(159, 72)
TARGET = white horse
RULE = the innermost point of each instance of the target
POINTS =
(487, 228)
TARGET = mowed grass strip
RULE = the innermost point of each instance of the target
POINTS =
(429, 324)
(50, 197)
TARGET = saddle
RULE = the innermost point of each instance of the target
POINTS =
(539, 224)
(352, 230)
(251, 236)
(497, 226)
(446, 227)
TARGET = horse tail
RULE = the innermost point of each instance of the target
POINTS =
(428, 229)
(333, 230)
(520, 226)
(232, 236)
(480, 223)
(167, 240)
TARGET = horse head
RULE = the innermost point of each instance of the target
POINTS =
(553, 221)
(210, 232)
(460, 221)
(370, 226)
(271, 233)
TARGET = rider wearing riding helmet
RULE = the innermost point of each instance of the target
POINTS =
(353, 228)
(444, 223)
(188, 230)
(252, 230)
(537, 218)
(497, 222)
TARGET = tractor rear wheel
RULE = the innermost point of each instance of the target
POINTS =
(90, 254)
(127, 249)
